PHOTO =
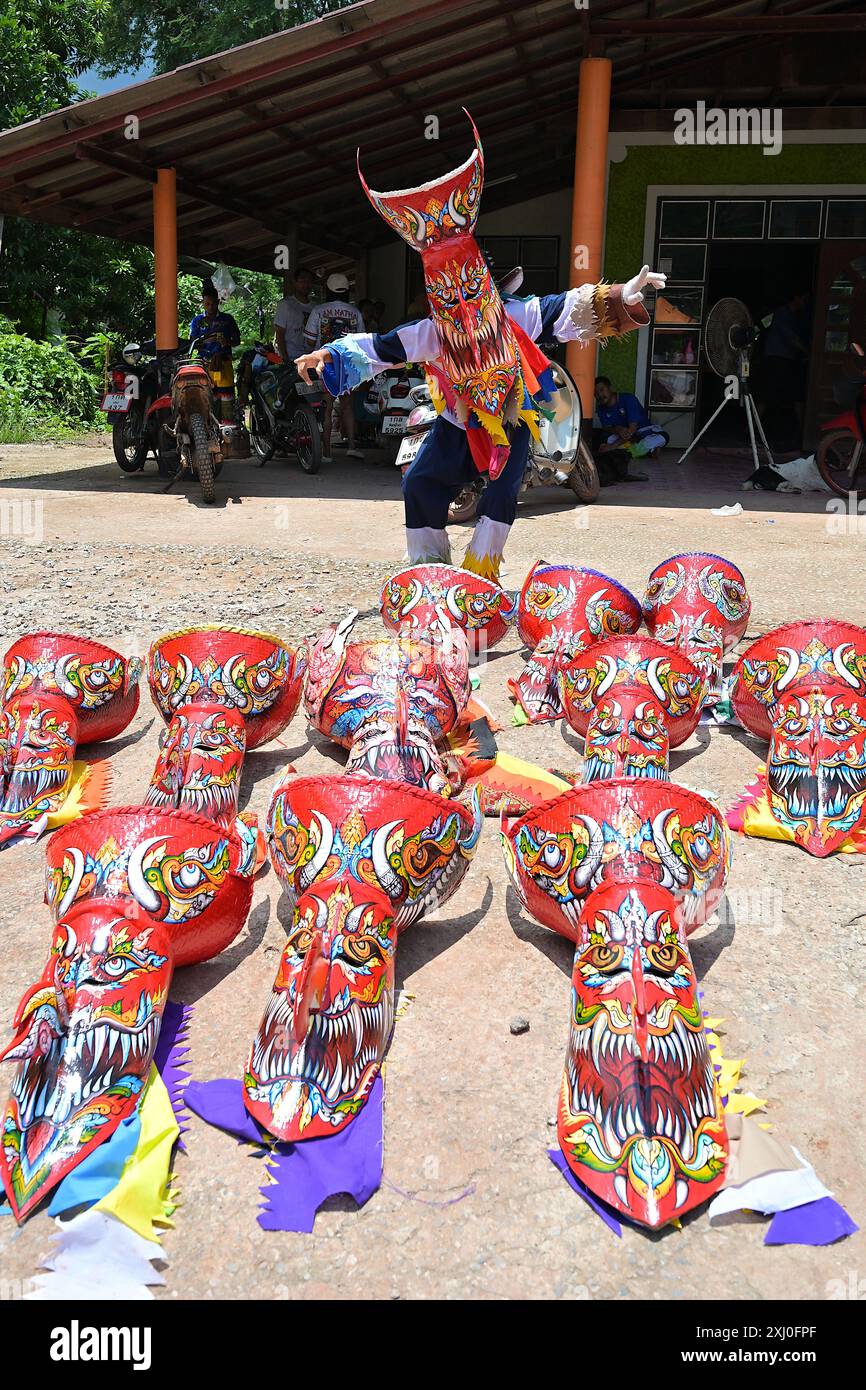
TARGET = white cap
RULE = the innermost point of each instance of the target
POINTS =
(337, 283)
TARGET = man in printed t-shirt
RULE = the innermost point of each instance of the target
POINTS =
(326, 323)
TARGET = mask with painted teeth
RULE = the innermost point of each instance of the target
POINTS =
(564, 610)
(617, 830)
(362, 858)
(698, 602)
(327, 1026)
(640, 1119)
(251, 673)
(389, 702)
(479, 370)
(803, 686)
(59, 690)
(84, 1041)
(632, 699)
(199, 764)
(180, 869)
(428, 599)
(134, 891)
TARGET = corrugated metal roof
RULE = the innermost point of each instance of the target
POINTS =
(263, 136)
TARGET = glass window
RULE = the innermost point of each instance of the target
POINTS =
(797, 218)
(738, 219)
(680, 219)
(540, 251)
(675, 347)
(682, 262)
(846, 217)
(505, 251)
(678, 304)
(673, 390)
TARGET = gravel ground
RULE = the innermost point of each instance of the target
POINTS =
(470, 1207)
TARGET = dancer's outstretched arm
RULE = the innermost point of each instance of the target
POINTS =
(589, 313)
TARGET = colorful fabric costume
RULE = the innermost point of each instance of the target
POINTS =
(487, 377)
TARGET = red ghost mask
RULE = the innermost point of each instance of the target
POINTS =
(563, 610)
(698, 602)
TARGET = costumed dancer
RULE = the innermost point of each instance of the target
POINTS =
(487, 377)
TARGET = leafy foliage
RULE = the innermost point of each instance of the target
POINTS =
(165, 34)
(43, 49)
(45, 389)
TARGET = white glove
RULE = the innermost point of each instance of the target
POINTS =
(631, 290)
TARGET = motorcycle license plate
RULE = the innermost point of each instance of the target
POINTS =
(394, 424)
(409, 448)
(116, 400)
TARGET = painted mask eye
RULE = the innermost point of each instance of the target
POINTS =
(115, 967)
(553, 855)
(604, 957)
(190, 876)
(362, 950)
(664, 958)
(607, 724)
(646, 728)
(794, 726)
(299, 942)
(839, 725)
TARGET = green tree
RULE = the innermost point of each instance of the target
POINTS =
(159, 35)
(43, 49)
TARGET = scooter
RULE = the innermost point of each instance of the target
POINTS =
(841, 456)
(283, 412)
(396, 401)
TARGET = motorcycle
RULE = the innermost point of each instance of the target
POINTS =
(195, 426)
(562, 456)
(395, 401)
(283, 411)
(134, 385)
(841, 456)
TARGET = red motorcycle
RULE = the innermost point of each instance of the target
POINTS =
(841, 457)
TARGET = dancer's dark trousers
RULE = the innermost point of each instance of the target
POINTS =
(443, 466)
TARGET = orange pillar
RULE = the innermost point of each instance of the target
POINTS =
(588, 205)
(165, 258)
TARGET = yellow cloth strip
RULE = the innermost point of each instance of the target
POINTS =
(143, 1198)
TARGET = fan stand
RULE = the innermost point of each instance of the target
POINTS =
(753, 419)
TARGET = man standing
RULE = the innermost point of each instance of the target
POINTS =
(291, 314)
(326, 323)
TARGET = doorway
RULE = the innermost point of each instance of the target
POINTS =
(763, 275)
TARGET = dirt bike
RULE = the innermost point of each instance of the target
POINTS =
(283, 412)
(562, 457)
(841, 456)
(195, 426)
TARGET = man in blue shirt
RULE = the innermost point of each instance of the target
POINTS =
(625, 421)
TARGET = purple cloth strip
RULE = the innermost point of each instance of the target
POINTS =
(558, 1159)
(815, 1223)
(307, 1174)
(171, 1057)
(348, 1162)
(221, 1104)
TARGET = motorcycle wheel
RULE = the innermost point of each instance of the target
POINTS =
(834, 460)
(129, 441)
(261, 439)
(308, 441)
(583, 478)
(202, 461)
(464, 506)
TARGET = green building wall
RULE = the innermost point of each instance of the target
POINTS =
(715, 166)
